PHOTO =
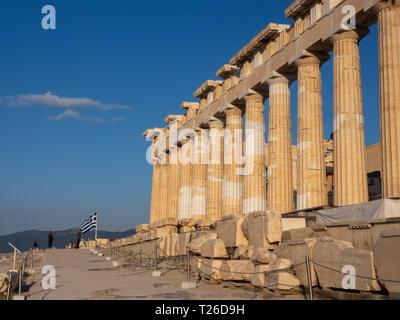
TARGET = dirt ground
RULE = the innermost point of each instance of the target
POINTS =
(82, 275)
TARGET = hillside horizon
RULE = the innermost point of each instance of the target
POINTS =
(24, 240)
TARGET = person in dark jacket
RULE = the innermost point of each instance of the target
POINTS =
(51, 239)
(78, 240)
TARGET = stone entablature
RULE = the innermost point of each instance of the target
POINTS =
(282, 60)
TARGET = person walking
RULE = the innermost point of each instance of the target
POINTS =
(51, 239)
(78, 240)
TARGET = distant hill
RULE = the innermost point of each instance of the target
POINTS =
(24, 240)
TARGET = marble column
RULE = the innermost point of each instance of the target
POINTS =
(163, 201)
(389, 78)
(311, 184)
(232, 188)
(173, 182)
(254, 179)
(215, 169)
(185, 179)
(155, 186)
(199, 177)
(280, 160)
(350, 176)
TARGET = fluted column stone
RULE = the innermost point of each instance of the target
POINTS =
(254, 179)
(215, 169)
(163, 202)
(311, 184)
(199, 178)
(173, 182)
(232, 188)
(185, 179)
(280, 159)
(155, 185)
(350, 176)
(389, 79)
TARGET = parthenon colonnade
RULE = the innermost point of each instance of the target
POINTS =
(218, 160)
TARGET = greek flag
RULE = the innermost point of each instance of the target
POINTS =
(89, 224)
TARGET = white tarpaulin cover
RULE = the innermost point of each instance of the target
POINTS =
(379, 209)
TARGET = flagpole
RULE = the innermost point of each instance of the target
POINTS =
(97, 218)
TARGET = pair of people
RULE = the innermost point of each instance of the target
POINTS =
(51, 238)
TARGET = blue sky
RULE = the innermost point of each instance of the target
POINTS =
(134, 63)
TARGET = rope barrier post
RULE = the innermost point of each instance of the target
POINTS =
(115, 262)
(23, 266)
(188, 284)
(188, 266)
(20, 281)
(309, 277)
(15, 258)
(9, 286)
(155, 272)
(19, 274)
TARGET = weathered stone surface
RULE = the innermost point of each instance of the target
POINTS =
(142, 228)
(174, 245)
(281, 281)
(255, 230)
(164, 231)
(211, 268)
(184, 240)
(196, 244)
(188, 222)
(204, 223)
(273, 227)
(213, 248)
(387, 259)
(3, 283)
(229, 229)
(146, 236)
(293, 223)
(296, 251)
(258, 225)
(237, 270)
(184, 229)
(258, 276)
(336, 254)
(164, 245)
(262, 256)
(195, 265)
(245, 226)
(168, 221)
(280, 264)
(243, 253)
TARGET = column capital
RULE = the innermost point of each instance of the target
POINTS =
(190, 105)
(277, 78)
(385, 5)
(349, 35)
(309, 57)
(215, 123)
(174, 118)
(232, 110)
(253, 96)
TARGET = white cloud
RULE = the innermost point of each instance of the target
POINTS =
(72, 114)
(53, 101)
(68, 114)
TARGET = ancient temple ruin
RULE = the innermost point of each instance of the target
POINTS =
(217, 160)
